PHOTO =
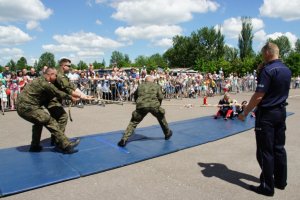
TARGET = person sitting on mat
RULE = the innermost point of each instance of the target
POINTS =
(225, 107)
(238, 108)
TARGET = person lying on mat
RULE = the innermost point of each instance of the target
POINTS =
(148, 97)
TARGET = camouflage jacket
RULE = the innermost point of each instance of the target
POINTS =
(38, 93)
(147, 95)
(63, 83)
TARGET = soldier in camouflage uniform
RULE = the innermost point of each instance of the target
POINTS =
(148, 97)
(30, 105)
(63, 83)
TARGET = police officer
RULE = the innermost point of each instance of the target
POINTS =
(148, 97)
(270, 100)
(63, 83)
(30, 103)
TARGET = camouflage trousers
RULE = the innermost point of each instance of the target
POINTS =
(39, 117)
(60, 115)
(139, 114)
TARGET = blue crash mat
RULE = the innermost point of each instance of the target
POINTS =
(21, 170)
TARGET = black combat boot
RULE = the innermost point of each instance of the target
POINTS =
(70, 148)
(169, 135)
(35, 148)
(122, 143)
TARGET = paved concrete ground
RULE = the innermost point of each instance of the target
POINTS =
(213, 171)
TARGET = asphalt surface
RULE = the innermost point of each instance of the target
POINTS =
(218, 170)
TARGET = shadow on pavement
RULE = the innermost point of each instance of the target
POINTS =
(222, 172)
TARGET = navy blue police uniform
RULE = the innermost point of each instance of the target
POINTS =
(273, 80)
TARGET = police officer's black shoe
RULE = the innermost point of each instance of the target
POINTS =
(168, 136)
(122, 143)
(280, 187)
(260, 190)
(35, 148)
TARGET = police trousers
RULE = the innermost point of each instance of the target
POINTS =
(270, 140)
(139, 114)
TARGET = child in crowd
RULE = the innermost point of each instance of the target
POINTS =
(14, 90)
(3, 97)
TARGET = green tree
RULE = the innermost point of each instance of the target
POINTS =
(127, 62)
(116, 59)
(204, 45)
(158, 60)
(297, 46)
(246, 38)
(82, 65)
(98, 65)
(35, 64)
(293, 62)
(226, 67)
(209, 44)
(141, 61)
(12, 65)
(178, 55)
(248, 65)
(283, 44)
(21, 63)
(230, 53)
(205, 65)
(46, 59)
(103, 63)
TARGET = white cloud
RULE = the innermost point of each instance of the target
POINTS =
(89, 3)
(82, 45)
(147, 32)
(232, 27)
(145, 12)
(87, 40)
(292, 38)
(11, 35)
(25, 10)
(7, 54)
(31, 61)
(100, 1)
(98, 21)
(262, 37)
(90, 53)
(287, 10)
(257, 24)
(60, 48)
(165, 42)
(33, 25)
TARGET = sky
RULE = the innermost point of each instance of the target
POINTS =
(90, 30)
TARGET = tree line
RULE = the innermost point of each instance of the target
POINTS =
(204, 50)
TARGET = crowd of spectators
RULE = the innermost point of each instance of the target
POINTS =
(119, 84)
